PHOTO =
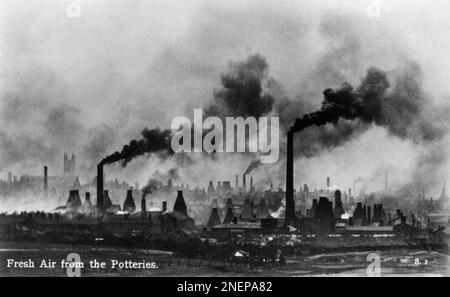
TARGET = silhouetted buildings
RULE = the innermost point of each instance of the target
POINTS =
(229, 216)
(178, 218)
(247, 210)
(180, 205)
(324, 214)
(74, 201)
(129, 204)
(88, 207)
(214, 218)
(338, 207)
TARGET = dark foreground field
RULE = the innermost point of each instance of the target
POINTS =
(399, 262)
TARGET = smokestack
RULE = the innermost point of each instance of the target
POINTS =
(251, 184)
(164, 206)
(244, 184)
(100, 186)
(349, 192)
(365, 214)
(328, 182)
(236, 183)
(45, 182)
(143, 204)
(290, 204)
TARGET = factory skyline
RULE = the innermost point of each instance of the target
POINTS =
(303, 197)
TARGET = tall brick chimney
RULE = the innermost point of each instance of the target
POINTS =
(143, 204)
(328, 182)
(100, 186)
(45, 182)
(290, 204)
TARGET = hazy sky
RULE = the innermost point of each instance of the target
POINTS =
(93, 83)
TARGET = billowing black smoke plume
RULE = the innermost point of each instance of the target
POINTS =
(398, 110)
(243, 91)
(152, 141)
(398, 105)
(242, 94)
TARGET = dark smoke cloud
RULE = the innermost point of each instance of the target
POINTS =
(341, 103)
(152, 186)
(245, 92)
(158, 179)
(398, 110)
(153, 141)
(242, 93)
(396, 106)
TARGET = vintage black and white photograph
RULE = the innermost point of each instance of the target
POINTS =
(238, 138)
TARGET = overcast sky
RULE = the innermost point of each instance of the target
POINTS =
(92, 83)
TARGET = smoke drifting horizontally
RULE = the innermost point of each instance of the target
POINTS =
(400, 107)
(400, 111)
(241, 94)
(153, 141)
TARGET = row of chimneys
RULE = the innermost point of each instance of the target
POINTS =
(100, 191)
(74, 200)
(364, 212)
(244, 184)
